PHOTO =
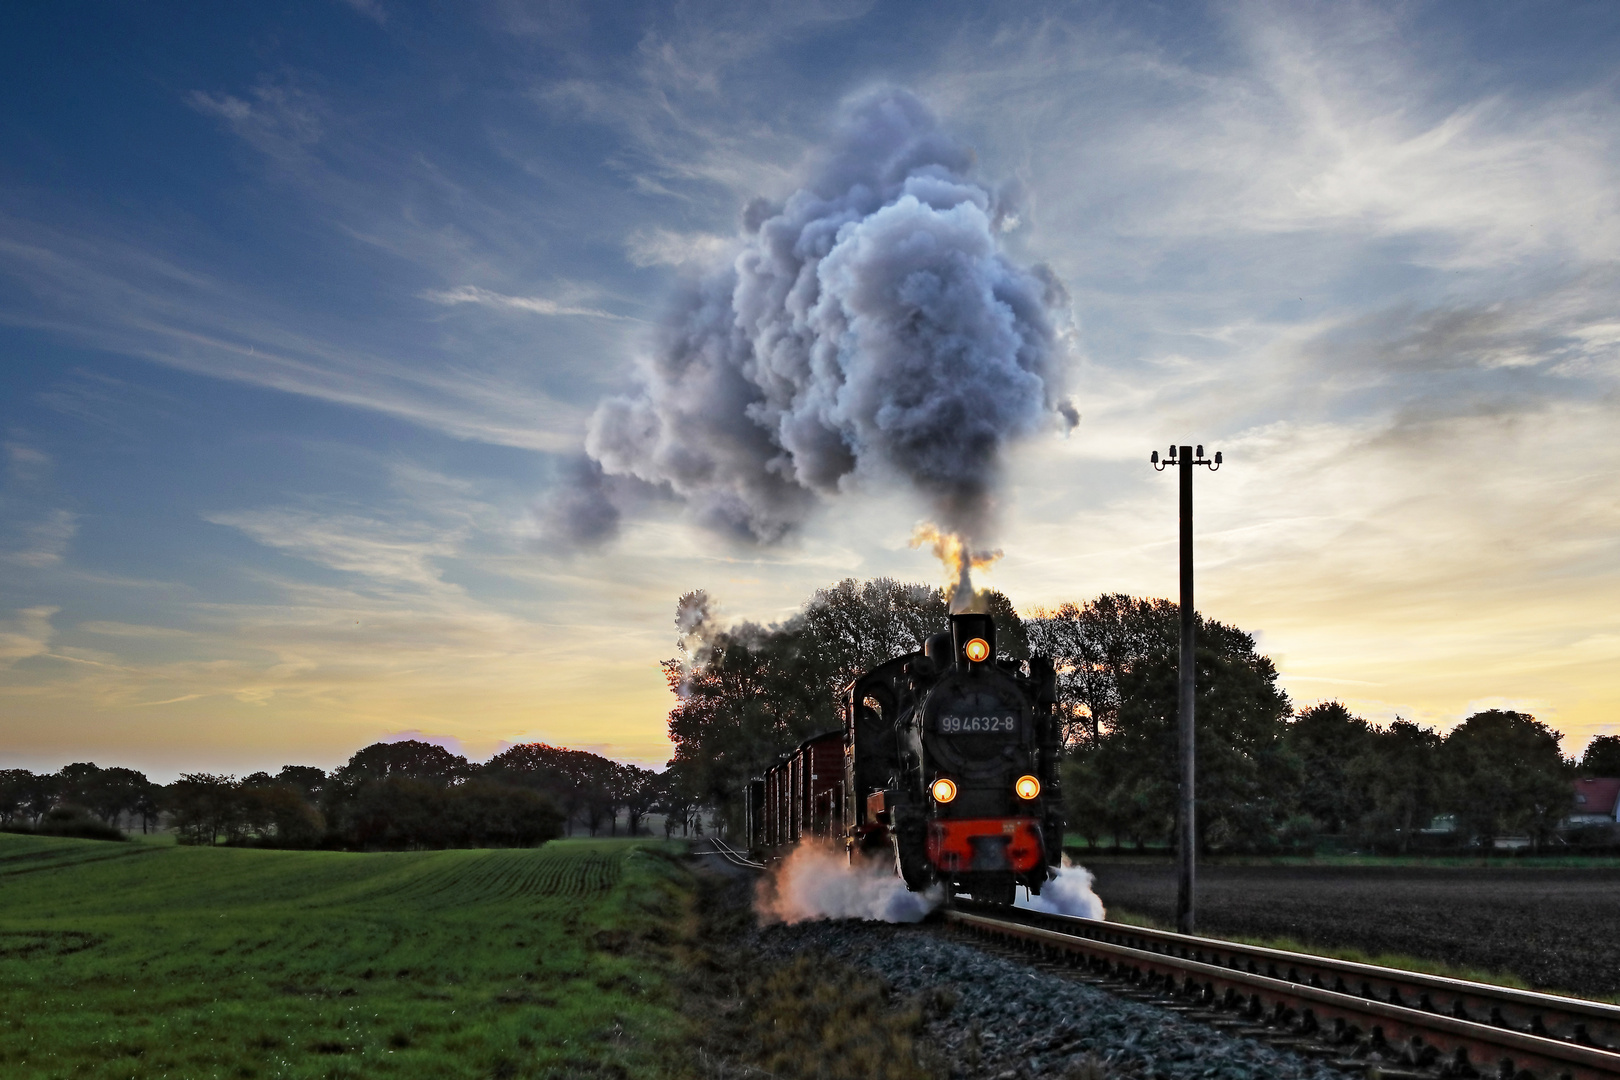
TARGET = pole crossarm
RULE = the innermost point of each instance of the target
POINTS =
(1198, 458)
(1185, 458)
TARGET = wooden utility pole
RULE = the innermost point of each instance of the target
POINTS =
(1186, 816)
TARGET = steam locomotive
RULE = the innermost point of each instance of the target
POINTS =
(947, 760)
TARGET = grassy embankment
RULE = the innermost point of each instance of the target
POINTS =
(138, 960)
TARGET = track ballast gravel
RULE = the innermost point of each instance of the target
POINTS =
(995, 1018)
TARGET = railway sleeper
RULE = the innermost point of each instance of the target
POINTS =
(1419, 1054)
(1458, 1067)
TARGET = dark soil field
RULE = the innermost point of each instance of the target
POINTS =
(1556, 928)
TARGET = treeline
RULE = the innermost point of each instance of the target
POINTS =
(407, 794)
(1269, 778)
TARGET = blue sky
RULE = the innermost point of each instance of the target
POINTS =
(305, 308)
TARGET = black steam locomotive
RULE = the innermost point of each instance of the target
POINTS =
(949, 761)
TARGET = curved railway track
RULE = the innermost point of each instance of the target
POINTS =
(730, 854)
(1362, 1014)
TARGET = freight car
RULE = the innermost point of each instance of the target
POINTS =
(949, 766)
(801, 795)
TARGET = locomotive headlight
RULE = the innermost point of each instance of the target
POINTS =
(1027, 787)
(977, 650)
(944, 790)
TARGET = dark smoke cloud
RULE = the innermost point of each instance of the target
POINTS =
(580, 511)
(869, 330)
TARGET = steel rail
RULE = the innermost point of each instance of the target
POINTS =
(731, 854)
(1310, 997)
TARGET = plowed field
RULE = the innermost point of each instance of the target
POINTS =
(1555, 928)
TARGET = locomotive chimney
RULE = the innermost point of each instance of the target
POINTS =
(965, 628)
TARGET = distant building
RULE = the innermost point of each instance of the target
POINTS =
(1597, 802)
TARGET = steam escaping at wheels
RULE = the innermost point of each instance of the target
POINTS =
(818, 880)
(1069, 893)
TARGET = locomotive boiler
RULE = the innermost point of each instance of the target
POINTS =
(949, 765)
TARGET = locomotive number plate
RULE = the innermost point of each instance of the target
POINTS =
(977, 725)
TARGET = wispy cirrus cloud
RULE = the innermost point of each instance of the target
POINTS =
(666, 247)
(348, 542)
(371, 9)
(128, 299)
(283, 122)
(43, 541)
(534, 305)
(27, 633)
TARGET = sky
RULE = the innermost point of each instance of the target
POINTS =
(305, 310)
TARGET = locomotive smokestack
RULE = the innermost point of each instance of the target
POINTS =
(969, 626)
(868, 330)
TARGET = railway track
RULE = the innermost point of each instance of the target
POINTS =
(1360, 1015)
(730, 854)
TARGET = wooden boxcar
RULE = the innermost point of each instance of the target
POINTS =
(801, 795)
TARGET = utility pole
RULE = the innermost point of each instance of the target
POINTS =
(1186, 831)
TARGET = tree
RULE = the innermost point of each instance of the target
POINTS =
(651, 797)
(589, 788)
(638, 790)
(204, 807)
(1329, 742)
(1094, 647)
(1401, 773)
(1505, 775)
(278, 813)
(26, 798)
(851, 627)
(408, 758)
(483, 813)
(1012, 639)
(16, 793)
(1121, 656)
(306, 778)
(746, 694)
(1602, 757)
(407, 812)
(399, 811)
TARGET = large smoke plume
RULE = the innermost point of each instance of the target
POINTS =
(869, 330)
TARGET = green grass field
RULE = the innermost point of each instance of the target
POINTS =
(145, 960)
